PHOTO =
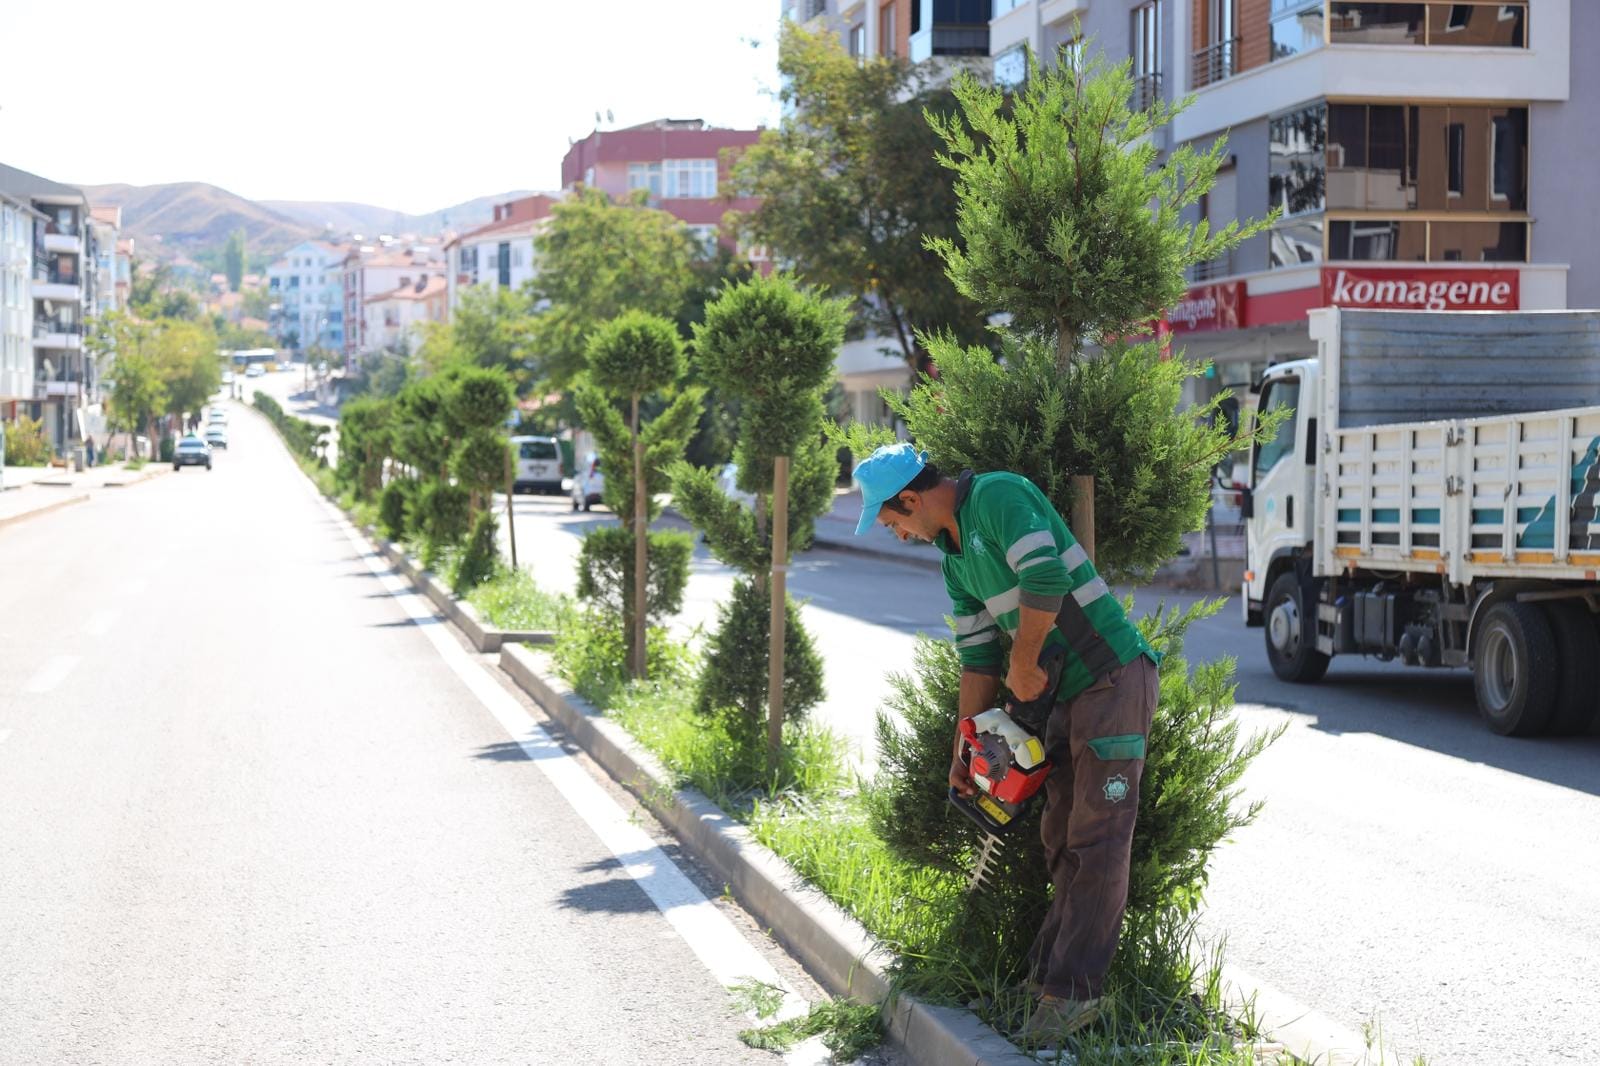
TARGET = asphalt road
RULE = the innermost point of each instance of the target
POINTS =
(254, 807)
(1410, 872)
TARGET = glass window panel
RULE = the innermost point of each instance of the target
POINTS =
(1295, 243)
(1384, 240)
(1372, 22)
(1456, 152)
(1295, 175)
(1508, 160)
(1297, 26)
(1283, 394)
(1478, 25)
(1480, 242)
(1011, 68)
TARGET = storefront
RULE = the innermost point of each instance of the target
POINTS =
(1245, 325)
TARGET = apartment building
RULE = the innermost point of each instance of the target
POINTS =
(17, 221)
(111, 256)
(371, 269)
(393, 320)
(307, 289)
(1423, 154)
(498, 254)
(682, 164)
(66, 387)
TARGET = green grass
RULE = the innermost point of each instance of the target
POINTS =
(511, 600)
(135, 464)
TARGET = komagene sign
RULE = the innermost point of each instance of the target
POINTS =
(1208, 307)
(1420, 290)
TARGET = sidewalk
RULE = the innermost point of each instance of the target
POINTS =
(32, 490)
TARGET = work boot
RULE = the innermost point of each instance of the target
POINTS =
(1053, 1020)
(1026, 991)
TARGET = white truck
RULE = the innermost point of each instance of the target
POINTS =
(1433, 499)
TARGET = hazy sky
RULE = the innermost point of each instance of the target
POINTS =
(408, 105)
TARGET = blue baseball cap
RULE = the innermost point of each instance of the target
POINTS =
(882, 475)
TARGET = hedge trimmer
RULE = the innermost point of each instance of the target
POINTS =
(1007, 763)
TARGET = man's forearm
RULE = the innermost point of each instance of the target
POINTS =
(1033, 625)
(977, 692)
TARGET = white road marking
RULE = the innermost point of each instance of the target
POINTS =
(52, 673)
(100, 624)
(705, 929)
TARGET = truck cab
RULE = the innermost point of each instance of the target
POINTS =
(1280, 499)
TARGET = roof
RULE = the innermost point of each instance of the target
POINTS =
(426, 287)
(110, 214)
(652, 142)
(514, 216)
(24, 183)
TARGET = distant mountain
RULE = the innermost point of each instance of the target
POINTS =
(189, 217)
(348, 218)
(186, 217)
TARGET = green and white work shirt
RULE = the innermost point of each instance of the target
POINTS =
(1016, 551)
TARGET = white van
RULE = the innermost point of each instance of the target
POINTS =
(538, 464)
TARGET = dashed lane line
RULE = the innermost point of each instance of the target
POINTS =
(54, 671)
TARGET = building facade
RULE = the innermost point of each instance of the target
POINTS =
(393, 320)
(498, 254)
(1421, 154)
(368, 270)
(17, 221)
(682, 164)
(307, 292)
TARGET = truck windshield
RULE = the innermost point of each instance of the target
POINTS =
(538, 449)
(1280, 394)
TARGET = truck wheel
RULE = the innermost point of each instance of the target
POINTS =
(1514, 670)
(1578, 650)
(1292, 633)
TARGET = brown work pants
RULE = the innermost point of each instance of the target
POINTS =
(1091, 801)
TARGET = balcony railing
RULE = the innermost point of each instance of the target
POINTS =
(1210, 269)
(1146, 91)
(45, 326)
(1215, 63)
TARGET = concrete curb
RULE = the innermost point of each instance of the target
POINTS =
(829, 943)
(143, 475)
(55, 505)
(484, 637)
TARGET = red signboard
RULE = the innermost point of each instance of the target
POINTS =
(1423, 289)
(1207, 307)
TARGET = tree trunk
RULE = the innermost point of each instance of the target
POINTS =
(1066, 344)
(511, 513)
(641, 522)
(780, 567)
(1083, 512)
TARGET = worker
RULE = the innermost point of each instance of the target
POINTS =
(1011, 565)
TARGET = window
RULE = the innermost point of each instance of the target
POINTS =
(645, 176)
(1281, 395)
(858, 40)
(1296, 27)
(694, 179)
(705, 238)
(539, 449)
(1429, 22)
(1508, 141)
(1146, 52)
(1456, 156)
(1295, 242)
(1011, 68)
(1296, 168)
(503, 264)
(886, 30)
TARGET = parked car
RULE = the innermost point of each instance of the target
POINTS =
(217, 416)
(217, 436)
(191, 451)
(254, 370)
(588, 484)
(538, 465)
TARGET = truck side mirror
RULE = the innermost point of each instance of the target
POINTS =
(1247, 504)
(1228, 414)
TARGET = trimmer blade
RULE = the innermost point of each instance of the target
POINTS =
(987, 852)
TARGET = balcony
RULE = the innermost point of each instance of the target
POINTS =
(66, 291)
(1214, 63)
(950, 39)
(50, 333)
(63, 242)
(1146, 91)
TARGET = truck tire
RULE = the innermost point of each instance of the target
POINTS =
(1578, 649)
(1515, 672)
(1292, 633)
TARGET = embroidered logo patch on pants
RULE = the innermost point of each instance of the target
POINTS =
(1116, 789)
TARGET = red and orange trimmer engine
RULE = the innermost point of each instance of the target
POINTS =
(1008, 767)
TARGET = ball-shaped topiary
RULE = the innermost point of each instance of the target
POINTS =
(479, 398)
(635, 354)
(481, 460)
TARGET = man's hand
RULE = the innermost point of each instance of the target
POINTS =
(961, 778)
(1025, 680)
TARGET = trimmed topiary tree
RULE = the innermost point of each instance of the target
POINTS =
(770, 343)
(631, 357)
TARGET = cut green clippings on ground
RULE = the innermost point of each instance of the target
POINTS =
(756, 997)
(848, 1030)
(511, 600)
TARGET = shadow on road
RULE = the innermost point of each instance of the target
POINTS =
(1438, 713)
